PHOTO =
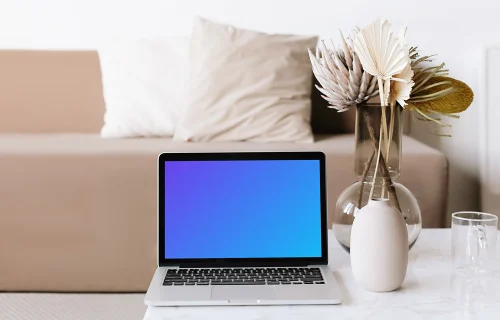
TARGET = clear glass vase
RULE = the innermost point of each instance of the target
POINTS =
(377, 165)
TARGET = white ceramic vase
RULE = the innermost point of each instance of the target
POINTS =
(379, 247)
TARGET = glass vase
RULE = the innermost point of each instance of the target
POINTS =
(377, 165)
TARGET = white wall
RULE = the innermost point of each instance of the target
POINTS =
(490, 131)
(454, 29)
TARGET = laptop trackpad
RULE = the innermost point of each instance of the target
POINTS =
(242, 293)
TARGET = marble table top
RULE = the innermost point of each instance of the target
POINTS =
(429, 291)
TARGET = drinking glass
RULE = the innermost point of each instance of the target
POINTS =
(474, 237)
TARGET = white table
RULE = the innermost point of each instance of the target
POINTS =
(429, 292)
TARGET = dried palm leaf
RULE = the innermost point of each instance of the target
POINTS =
(381, 54)
(372, 45)
(400, 90)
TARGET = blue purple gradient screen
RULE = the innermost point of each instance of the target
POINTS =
(242, 209)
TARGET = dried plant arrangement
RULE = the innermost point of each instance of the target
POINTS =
(376, 65)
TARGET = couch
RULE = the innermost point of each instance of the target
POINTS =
(78, 213)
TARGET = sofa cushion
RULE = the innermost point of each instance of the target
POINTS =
(144, 84)
(246, 85)
(79, 212)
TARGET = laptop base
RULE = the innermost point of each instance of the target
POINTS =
(302, 294)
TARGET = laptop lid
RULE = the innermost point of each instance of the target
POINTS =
(242, 209)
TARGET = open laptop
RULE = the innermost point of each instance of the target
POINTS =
(242, 229)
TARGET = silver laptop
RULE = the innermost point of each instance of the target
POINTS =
(242, 229)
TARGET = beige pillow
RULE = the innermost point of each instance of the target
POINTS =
(247, 86)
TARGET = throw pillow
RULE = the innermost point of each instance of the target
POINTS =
(247, 86)
(143, 83)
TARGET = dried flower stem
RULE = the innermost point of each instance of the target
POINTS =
(377, 163)
(368, 164)
(384, 91)
(384, 138)
(391, 130)
(383, 166)
(389, 138)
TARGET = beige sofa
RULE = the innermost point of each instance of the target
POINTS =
(78, 213)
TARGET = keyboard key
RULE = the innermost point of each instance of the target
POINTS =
(173, 274)
(319, 282)
(286, 282)
(239, 283)
(310, 276)
(311, 279)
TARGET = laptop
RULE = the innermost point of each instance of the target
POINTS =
(247, 228)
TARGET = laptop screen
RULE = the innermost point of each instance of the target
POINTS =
(219, 209)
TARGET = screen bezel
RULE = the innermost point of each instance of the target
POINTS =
(241, 262)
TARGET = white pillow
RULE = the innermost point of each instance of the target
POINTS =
(247, 86)
(144, 83)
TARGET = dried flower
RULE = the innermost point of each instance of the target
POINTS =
(436, 93)
(423, 79)
(339, 71)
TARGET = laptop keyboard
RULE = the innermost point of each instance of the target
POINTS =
(243, 276)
